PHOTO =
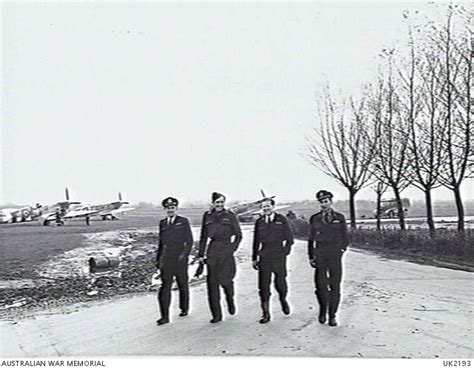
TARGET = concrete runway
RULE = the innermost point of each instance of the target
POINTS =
(390, 309)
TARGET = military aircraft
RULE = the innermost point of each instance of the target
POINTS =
(20, 215)
(389, 208)
(246, 211)
(46, 214)
(62, 211)
(59, 212)
(107, 211)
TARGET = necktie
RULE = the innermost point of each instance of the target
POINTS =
(328, 217)
(267, 220)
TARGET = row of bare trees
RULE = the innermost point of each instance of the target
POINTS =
(412, 126)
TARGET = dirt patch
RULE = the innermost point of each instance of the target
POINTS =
(66, 278)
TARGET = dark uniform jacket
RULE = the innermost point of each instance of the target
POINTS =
(175, 239)
(271, 236)
(331, 235)
(219, 226)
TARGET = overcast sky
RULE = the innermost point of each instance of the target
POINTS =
(158, 99)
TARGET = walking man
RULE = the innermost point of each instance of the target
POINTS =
(327, 242)
(174, 246)
(222, 228)
(272, 240)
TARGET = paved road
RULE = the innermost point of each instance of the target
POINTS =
(390, 309)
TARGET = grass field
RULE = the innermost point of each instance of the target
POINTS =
(364, 209)
(26, 245)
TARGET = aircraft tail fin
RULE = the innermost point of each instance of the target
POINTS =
(121, 199)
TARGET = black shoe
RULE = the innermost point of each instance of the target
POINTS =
(231, 307)
(322, 314)
(332, 322)
(265, 318)
(322, 318)
(285, 307)
(183, 313)
(215, 320)
(162, 321)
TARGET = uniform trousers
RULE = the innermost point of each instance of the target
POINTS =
(171, 269)
(268, 266)
(328, 277)
(221, 270)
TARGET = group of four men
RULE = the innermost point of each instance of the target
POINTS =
(272, 241)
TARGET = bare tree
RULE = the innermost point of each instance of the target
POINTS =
(456, 74)
(339, 145)
(422, 113)
(391, 161)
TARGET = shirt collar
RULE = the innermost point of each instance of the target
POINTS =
(271, 217)
(223, 211)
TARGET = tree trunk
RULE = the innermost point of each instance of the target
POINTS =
(352, 210)
(400, 211)
(429, 211)
(379, 208)
(460, 207)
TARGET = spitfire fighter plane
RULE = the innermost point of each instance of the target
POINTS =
(63, 210)
(46, 214)
(107, 211)
(247, 211)
(20, 215)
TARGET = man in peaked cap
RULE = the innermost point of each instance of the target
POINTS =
(222, 228)
(272, 240)
(327, 242)
(174, 246)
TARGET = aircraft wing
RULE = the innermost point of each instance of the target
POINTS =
(79, 213)
(259, 211)
(116, 211)
(48, 216)
(247, 212)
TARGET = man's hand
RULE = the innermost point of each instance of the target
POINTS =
(182, 257)
(313, 263)
(255, 264)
